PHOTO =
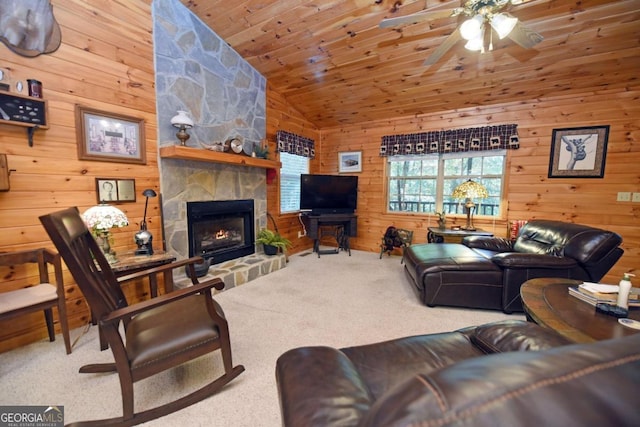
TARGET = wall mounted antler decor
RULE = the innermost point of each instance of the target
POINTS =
(28, 27)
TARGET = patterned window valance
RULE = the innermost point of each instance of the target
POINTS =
(451, 141)
(295, 144)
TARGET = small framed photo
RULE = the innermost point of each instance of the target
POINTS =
(115, 190)
(350, 161)
(109, 137)
(578, 152)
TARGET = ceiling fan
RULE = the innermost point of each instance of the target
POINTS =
(481, 14)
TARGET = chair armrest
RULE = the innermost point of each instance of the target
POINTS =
(533, 261)
(320, 386)
(495, 244)
(129, 311)
(163, 268)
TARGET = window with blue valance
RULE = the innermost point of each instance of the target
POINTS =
(295, 144)
(498, 137)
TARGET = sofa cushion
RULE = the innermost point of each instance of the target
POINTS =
(575, 385)
(515, 335)
(384, 365)
(583, 243)
(319, 386)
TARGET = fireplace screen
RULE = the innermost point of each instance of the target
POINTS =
(221, 230)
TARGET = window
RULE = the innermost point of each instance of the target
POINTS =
(425, 183)
(292, 167)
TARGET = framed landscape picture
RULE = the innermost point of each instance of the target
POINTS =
(109, 137)
(578, 152)
(350, 161)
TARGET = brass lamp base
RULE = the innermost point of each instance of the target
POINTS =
(182, 135)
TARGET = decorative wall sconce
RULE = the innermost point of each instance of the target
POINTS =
(183, 122)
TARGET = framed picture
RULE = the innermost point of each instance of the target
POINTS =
(115, 190)
(109, 137)
(578, 152)
(350, 161)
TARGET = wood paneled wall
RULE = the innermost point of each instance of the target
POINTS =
(529, 193)
(283, 116)
(105, 62)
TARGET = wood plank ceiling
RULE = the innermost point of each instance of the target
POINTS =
(334, 64)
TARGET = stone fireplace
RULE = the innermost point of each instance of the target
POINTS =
(221, 230)
(196, 71)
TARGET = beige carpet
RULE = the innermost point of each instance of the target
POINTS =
(335, 300)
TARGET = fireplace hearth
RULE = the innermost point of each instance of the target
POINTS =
(221, 230)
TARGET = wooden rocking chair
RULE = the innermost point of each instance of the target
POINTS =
(159, 333)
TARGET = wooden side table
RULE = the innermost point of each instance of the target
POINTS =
(447, 235)
(129, 263)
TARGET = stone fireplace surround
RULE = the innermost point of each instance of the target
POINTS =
(196, 71)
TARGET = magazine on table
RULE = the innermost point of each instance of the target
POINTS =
(596, 293)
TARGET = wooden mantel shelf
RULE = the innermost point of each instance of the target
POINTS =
(203, 155)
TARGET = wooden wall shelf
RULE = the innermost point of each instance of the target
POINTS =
(202, 155)
(25, 111)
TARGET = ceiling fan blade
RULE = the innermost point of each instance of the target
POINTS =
(443, 48)
(524, 36)
(415, 18)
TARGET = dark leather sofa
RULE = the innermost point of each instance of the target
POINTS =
(509, 373)
(487, 272)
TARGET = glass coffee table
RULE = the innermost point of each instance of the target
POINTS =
(548, 303)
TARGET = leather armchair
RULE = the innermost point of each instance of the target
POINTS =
(509, 373)
(547, 248)
(487, 272)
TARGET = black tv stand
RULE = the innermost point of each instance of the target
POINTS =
(343, 226)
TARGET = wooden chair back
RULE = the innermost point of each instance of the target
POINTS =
(85, 260)
(42, 295)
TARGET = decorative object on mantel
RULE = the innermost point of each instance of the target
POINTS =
(100, 220)
(579, 152)
(144, 238)
(183, 122)
(109, 137)
(217, 146)
(261, 151)
(295, 144)
(28, 27)
(486, 138)
(469, 190)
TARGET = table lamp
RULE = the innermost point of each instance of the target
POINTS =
(183, 122)
(143, 238)
(101, 219)
(468, 190)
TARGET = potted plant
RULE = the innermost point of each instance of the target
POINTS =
(272, 241)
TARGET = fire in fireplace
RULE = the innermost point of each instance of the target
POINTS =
(221, 230)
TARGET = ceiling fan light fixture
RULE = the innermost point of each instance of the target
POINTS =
(476, 44)
(503, 23)
(472, 27)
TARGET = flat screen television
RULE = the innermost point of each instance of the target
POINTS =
(327, 194)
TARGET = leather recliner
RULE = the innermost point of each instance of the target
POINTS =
(509, 373)
(487, 272)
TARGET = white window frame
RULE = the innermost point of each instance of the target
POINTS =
(456, 208)
(290, 172)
